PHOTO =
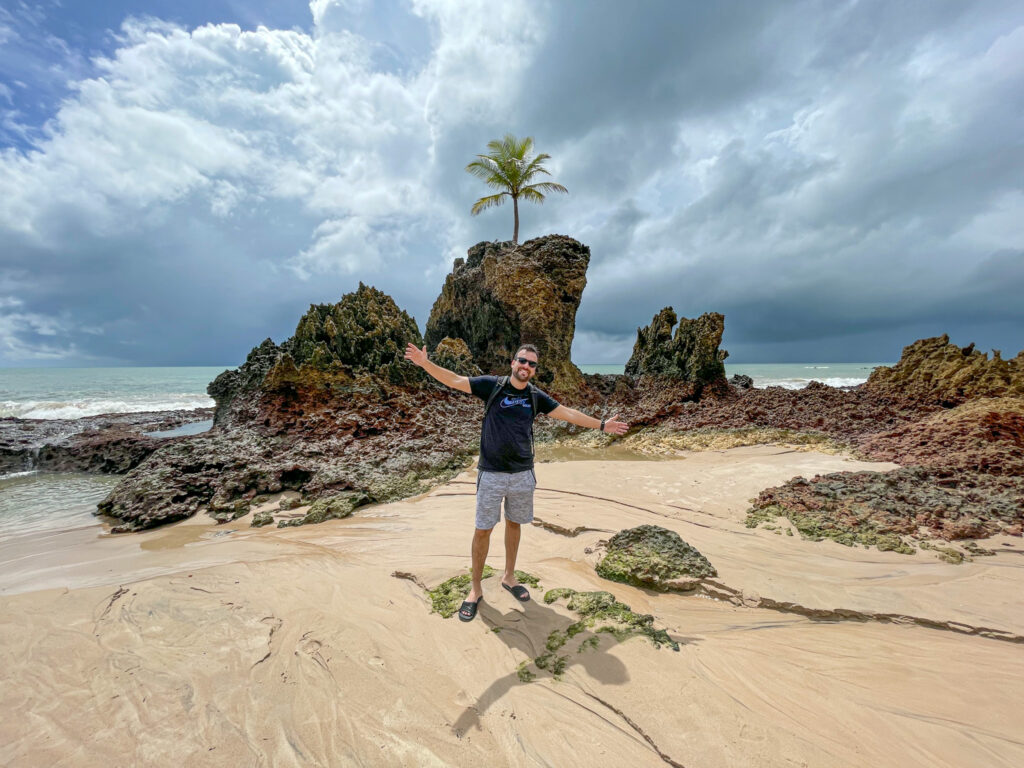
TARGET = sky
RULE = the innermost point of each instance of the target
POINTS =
(180, 180)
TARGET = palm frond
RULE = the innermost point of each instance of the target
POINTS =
(547, 186)
(535, 166)
(488, 202)
(490, 172)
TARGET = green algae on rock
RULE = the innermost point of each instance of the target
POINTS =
(603, 613)
(454, 355)
(447, 596)
(524, 577)
(883, 508)
(819, 527)
(600, 612)
(653, 557)
(329, 508)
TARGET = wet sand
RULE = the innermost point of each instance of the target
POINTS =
(206, 645)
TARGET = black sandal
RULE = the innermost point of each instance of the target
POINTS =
(521, 593)
(467, 611)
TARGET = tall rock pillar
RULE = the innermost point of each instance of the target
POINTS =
(504, 295)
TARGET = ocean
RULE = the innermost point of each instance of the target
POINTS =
(37, 502)
(70, 393)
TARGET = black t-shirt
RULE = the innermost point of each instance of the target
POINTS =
(505, 439)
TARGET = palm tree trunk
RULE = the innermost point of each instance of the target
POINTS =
(515, 209)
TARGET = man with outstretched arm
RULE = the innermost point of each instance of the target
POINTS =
(505, 470)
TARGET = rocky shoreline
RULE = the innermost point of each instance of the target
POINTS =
(110, 443)
(335, 414)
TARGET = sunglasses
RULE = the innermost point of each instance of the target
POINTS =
(524, 361)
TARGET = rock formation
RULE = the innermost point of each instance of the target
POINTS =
(504, 295)
(110, 443)
(936, 371)
(962, 449)
(334, 412)
(653, 557)
(354, 344)
(690, 355)
(454, 355)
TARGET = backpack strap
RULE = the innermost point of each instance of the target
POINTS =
(533, 410)
(502, 381)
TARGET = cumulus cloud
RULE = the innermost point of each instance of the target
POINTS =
(834, 178)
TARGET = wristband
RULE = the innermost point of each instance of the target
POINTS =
(602, 425)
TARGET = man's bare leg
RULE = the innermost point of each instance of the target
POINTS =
(513, 532)
(481, 543)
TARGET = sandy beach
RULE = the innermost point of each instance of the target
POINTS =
(203, 645)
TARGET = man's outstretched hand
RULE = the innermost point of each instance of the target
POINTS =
(416, 356)
(615, 427)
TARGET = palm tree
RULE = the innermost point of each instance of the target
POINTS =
(509, 169)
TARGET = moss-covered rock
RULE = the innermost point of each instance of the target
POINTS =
(454, 355)
(365, 332)
(815, 526)
(884, 508)
(653, 557)
(330, 508)
(361, 338)
(225, 512)
(261, 518)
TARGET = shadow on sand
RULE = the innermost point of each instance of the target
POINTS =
(527, 630)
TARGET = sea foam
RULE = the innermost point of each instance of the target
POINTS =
(794, 383)
(76, 409)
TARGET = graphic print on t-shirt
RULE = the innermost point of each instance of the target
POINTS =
(505, 436)
(508, 402)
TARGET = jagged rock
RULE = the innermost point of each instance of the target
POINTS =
(653, 557)
(690, 355)
(357, 343)
(936, 371)
(741, 382)
(454, 355)
(504, 295)
(334, 409)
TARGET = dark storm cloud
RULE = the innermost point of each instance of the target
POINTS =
(836, 178)
(864, 222)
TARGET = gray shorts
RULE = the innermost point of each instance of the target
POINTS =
(516, 488)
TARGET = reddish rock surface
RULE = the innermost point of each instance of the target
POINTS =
(963, 478)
